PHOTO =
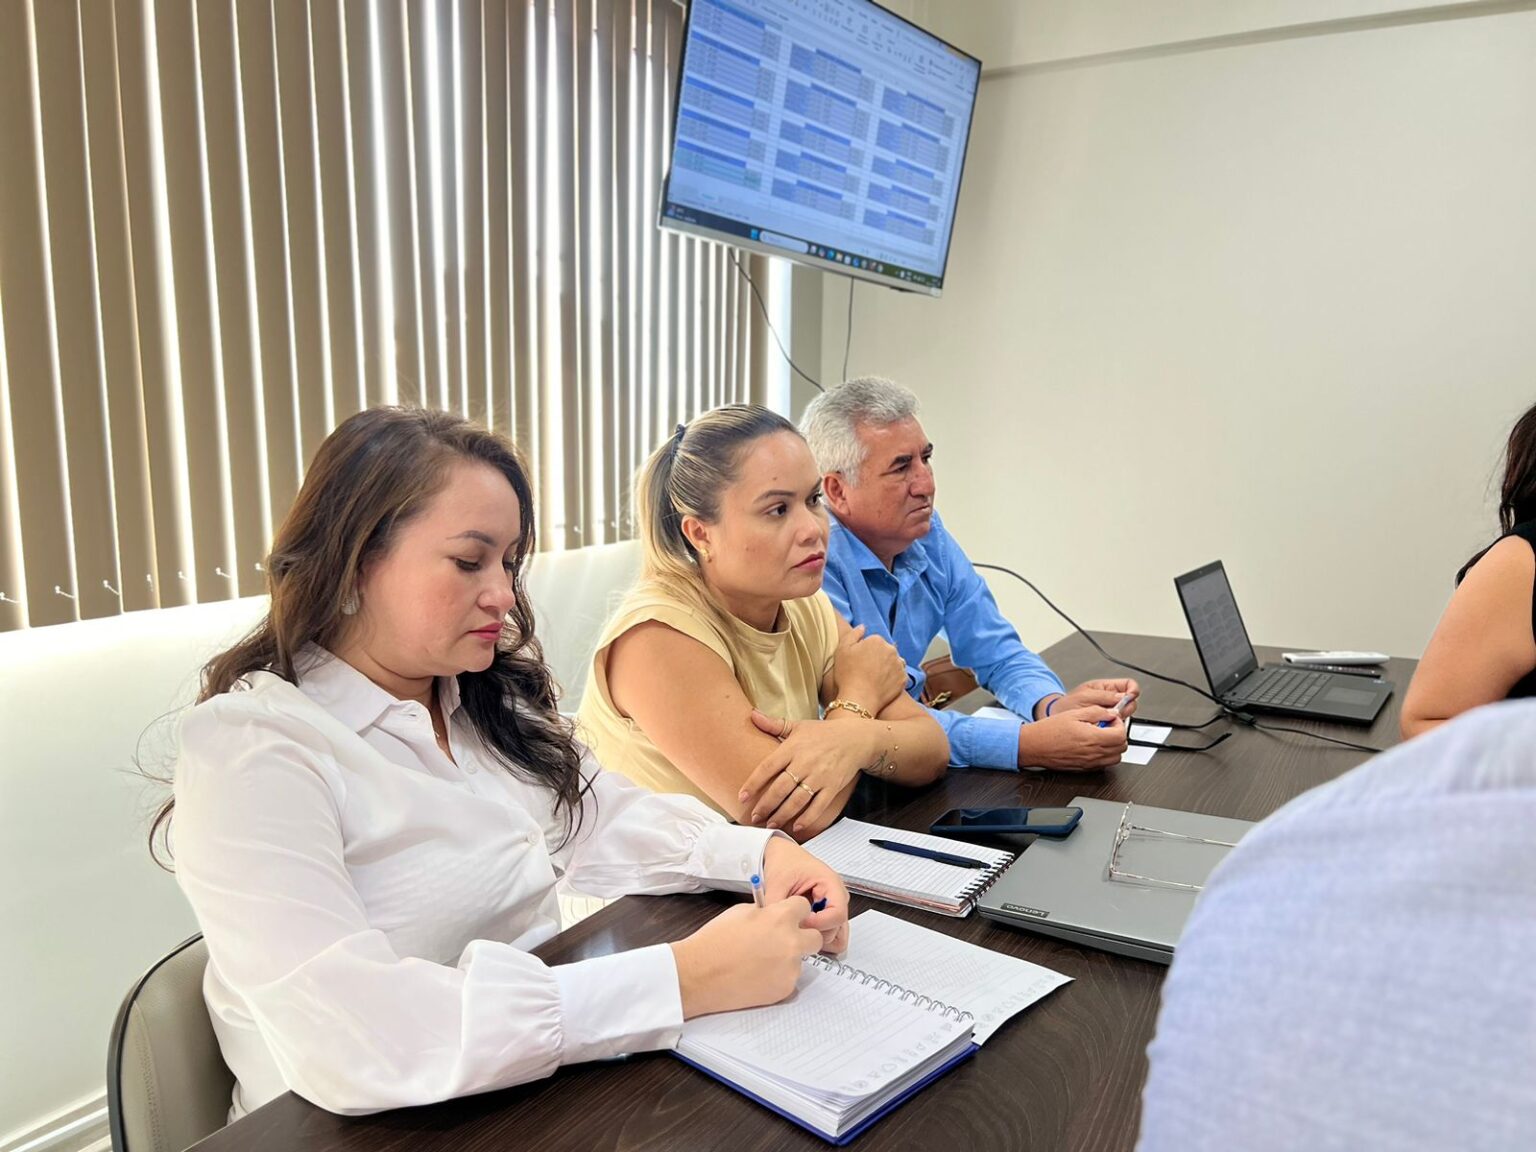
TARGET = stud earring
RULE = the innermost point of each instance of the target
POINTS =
(349, 606)
(704, 552)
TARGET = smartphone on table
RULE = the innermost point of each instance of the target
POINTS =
(963, 822)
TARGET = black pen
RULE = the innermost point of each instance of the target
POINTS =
(928, 854)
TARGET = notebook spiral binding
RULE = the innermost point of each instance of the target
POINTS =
(987, 878)
(870, 980)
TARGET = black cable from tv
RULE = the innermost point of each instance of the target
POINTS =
(1230, 713)
(745, 275)
(848, 339)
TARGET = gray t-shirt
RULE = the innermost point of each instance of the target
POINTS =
(1360, 973)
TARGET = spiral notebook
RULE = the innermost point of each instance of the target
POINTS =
(859, 1036)
(946, 889)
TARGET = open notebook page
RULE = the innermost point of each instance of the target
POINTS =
(990, 986)
(846, 848)
(834, 1039)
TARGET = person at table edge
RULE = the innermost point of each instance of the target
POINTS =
(893, 568)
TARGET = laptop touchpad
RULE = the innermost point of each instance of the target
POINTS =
(1354, 697)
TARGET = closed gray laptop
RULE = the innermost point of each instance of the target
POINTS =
(1063, 887)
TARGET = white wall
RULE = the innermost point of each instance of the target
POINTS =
(1015, 33)
(83, 910)
(1176, 271)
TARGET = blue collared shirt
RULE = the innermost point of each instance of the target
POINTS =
(933, 588)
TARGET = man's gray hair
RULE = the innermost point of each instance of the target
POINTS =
(830, 422)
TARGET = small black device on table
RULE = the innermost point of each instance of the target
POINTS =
(967, 822)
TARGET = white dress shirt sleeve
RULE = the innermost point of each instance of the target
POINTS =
(351, 1025)
(633, 840)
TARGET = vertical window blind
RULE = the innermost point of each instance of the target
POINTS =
(226, 226)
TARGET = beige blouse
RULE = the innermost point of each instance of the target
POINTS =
(780, 672)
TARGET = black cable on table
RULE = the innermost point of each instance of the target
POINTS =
(1225, 710)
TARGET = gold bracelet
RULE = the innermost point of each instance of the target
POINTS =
(856, 709)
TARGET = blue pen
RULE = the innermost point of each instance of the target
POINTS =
(928, 854)
(760, 899)
(1118, 709)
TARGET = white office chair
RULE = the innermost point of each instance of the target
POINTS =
(167, 1083)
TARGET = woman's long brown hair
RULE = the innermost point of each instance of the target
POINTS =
(1517, 495)
(378, 469)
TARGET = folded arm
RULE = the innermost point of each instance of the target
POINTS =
(906, 743)
(684, 697)
(1483, 644)
(801, 785)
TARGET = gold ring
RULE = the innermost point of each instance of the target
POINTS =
(792, 776)
(808, 791)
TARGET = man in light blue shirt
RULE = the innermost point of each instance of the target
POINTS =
(893, 568)
(1357, 972)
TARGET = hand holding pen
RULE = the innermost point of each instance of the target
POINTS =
(744, 957)
(789, 870)
(1119, 709)
(761, 900)
(750, 954)
(1098, 694)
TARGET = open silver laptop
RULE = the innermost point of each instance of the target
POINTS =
(1234, 673)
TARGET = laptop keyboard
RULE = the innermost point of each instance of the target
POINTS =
(1285, 687)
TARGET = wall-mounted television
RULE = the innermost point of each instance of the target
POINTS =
(832, 132)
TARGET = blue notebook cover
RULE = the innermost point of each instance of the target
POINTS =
(961, 1056)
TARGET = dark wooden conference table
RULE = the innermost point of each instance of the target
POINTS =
(1065, 1074)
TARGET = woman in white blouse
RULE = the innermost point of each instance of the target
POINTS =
(376, 796)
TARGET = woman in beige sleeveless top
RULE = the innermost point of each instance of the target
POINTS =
(714, 675)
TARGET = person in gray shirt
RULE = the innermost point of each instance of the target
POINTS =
(1358, 972)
